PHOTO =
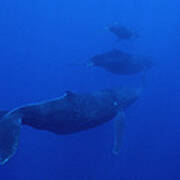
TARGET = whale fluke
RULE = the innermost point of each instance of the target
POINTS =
(10, 126)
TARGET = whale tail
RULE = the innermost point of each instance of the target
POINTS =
(10, 125)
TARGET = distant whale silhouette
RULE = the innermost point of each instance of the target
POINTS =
(67, 114)
(121, 63)
(122, 32)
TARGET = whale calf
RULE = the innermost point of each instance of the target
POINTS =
(67, 114)
(121, 63)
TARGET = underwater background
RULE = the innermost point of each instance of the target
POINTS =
(40, 43)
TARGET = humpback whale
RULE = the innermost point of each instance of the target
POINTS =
(121, 63)
(67, 114)
(122, 32)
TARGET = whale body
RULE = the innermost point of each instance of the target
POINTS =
(122, 32)
(67, 114)
(121, 63)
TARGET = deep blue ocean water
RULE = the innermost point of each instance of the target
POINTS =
(39, 40)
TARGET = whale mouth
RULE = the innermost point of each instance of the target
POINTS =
(9, 137)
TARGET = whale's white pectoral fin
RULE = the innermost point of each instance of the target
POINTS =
(118, 132)
(9, 136)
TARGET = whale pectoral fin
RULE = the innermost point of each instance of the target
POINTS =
(9, 135)
(118, 132)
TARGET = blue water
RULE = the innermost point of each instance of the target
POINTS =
(39, 42)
